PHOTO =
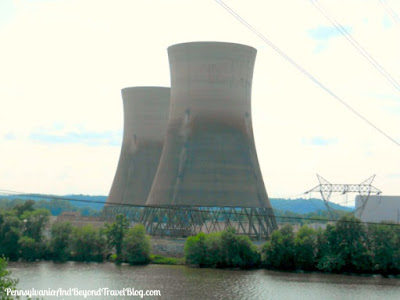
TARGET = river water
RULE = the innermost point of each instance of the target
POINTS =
(180, 282)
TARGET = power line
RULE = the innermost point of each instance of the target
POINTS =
(192, 208)
(305, 72)
(356, 45)
(391, 12)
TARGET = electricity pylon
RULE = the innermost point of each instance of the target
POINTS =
(364, 189)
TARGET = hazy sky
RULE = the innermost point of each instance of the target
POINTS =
(64, 62)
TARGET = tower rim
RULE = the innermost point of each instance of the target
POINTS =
(194, 43)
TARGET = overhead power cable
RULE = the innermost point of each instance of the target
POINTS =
(355, 44)
(187, 208)
(305, 72)
(391, 12)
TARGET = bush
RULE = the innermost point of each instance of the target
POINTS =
(10, 233)
(305, 248)
(195, 249)
(6, 282)
(225, 249)
(30, 249)
(278, 252)
(238, 251)
(136, 246)
(346, 249)
(60, 241)
(87, 244)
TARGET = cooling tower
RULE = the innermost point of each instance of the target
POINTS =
(209, 156)
(145, 121)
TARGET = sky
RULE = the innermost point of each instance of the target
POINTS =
(63, 64)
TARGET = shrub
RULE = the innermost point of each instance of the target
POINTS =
(87, 243)
(136, 246)
(278, 252)
(305, 248)
(60, 240)
(225, 249)
(6, 282)
(195, 249)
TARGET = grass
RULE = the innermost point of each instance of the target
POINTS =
(162, 260)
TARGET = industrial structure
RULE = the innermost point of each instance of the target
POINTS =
(208, 177)
(378, 209)
(145, 120)
(364, 190)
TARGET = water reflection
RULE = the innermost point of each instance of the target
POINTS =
(179, 282)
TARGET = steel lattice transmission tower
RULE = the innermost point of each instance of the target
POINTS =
(364, 189)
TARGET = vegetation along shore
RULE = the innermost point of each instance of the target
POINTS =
(346, 246)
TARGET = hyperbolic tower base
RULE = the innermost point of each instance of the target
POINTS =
(183, 221)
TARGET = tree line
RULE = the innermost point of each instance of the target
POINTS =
(347, 246)
(23, 236)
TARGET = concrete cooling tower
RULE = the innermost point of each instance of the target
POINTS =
(209, 157)
(145, 120)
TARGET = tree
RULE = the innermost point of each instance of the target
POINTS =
(136, 246)
(278, 252)
(34, 223)
(248, 252)
(221, 249)
(385, 242)
(10, 233)
(346, 247)
(24, 207)
(212, 251)
(6, 282)
(237, 251)
(87, 244)
(115, 234)
(60, 241)
(30, 250)
(305, 248)
(196, 249)
(230, 248)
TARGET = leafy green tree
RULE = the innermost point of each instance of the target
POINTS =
(222, 249)
(347, 247)
(60, 241)
(213, 251)
(87, 243)
(305, 248)
(10, 233)
(196, 249)
(278, 252)
(30, 249)
(6, 282)
(21, 208)
(384, 241)
(248, 252)
(34, 223)
(136, 246)
(230, 249)
(115, 234)
(238, 251)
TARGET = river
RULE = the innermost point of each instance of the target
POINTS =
(180, 282)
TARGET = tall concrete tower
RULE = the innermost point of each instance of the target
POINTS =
(209, 157)
(145, 120)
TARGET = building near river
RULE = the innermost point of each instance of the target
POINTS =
(378, 209)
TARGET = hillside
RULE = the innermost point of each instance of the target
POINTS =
(304, 206)
(88, 203)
